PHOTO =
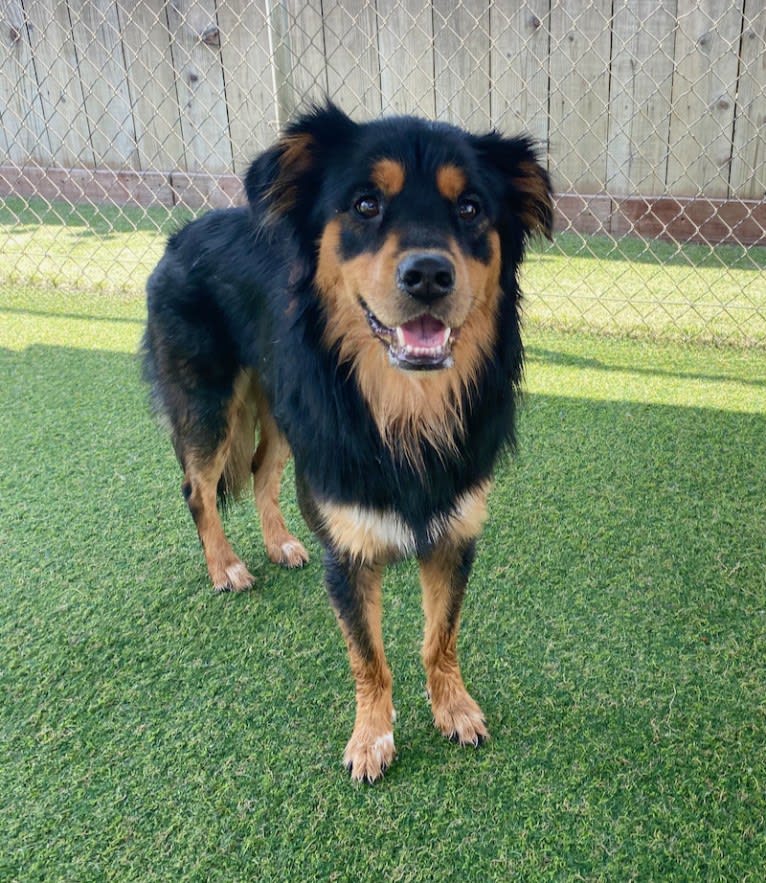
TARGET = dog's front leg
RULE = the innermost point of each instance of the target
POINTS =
(355, 593)
(443, 575)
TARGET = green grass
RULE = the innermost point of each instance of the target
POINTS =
(614, 633)
(655, 289)
(628, 288)
(102, 248)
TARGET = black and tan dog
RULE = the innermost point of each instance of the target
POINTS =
(361, 313)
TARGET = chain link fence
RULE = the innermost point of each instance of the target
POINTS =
(120, 118)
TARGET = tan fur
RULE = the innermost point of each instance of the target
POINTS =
(367, 534)
(450, 181)
(294, 160)
(202, 473)
(455, 713)
(268, 464)
(408, 407)
(235, 461)
(388, 176)
(240, 440)
(371, 746)
(466, 521)
(373, 536)
(537, 200)
(226, 570)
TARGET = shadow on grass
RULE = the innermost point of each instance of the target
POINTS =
(87, 317)
(103, 221)
(633, 249)
(556, 357)
(602, 493)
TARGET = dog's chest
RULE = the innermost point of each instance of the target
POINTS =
(370, 534)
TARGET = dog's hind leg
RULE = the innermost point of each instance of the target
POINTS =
(201, 479)
(269, 461)
(216, 452)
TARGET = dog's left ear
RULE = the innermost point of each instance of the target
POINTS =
(527, 185)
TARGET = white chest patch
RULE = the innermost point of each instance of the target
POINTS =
(376, 535)
(370, 534)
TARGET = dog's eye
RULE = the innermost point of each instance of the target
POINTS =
(367, 206)
(468, 209)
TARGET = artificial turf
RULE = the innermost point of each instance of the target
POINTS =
(614, 633)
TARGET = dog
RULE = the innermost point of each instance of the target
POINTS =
(361, 313)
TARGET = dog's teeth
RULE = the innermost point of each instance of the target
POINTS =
(400, 339)
(432, 351)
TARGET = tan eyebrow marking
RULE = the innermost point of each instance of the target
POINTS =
(388, 175)
(451, 181)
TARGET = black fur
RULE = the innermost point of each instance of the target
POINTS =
(342, 577)
(218, 299)
(239, 289)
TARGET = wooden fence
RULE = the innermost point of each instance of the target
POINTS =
(636, 100)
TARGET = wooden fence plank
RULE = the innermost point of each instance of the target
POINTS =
(748, 170)
(151, 84)
(96, 31)
(406, 38)
(281, 60)
(198, 85)
(704, 86)
(24, 135)
(640, 96)
(59, 84)
(520, 35)
(199, 81)
(300, 62)
(580, 41)
(351, 50)
(247, 72)
(462, 62)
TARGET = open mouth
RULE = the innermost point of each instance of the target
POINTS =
(422, 344)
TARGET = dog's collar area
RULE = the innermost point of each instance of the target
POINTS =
(421, 344)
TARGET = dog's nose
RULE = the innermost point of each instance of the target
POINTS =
(426, 277)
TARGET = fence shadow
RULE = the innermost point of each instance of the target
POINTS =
(556, 357)
(637, 249)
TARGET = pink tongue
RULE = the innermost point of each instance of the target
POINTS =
(424, 331)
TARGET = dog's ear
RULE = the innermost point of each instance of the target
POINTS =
(525, 182)
(284, 182)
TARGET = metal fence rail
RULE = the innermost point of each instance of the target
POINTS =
(121, 114)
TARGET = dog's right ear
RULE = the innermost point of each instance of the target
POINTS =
(284, 182)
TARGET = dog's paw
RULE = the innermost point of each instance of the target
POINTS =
(368, 755)
(289, 552)
(234, 577)
(461, 720)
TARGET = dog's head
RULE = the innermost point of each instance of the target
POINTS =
(415, 222)
(414, 232)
